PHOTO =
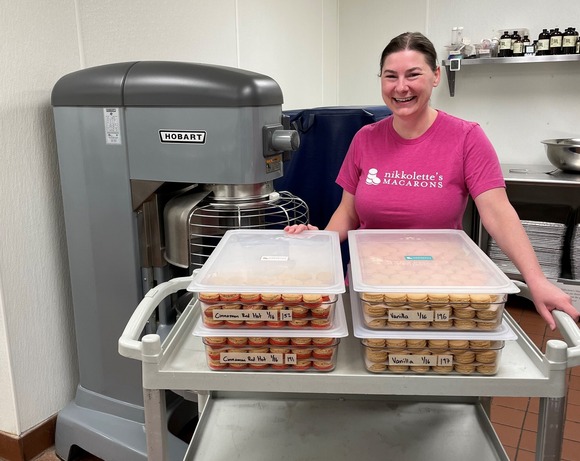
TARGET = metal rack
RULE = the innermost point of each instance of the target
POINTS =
(385, 412)
(451, 64)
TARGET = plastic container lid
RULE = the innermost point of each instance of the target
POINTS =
(422, 261)
(273, 261)
(339, 329)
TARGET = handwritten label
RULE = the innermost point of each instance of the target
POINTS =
(262, 315)
(411, 315)
(441, 315)
(254, 357)
(420, 360)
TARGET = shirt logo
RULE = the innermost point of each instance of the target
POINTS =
(405, 179)
(372, 178)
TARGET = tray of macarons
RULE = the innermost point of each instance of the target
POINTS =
(267, 310)
(268, 279)
(426, 280)
(438, 356)
(434, 351)
(263, 349)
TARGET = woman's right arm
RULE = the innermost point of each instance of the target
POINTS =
(342, 220)
(345, 217)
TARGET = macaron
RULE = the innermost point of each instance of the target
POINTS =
(209, 297)
(312, 300)
(249, 297)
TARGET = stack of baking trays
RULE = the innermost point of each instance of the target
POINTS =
(271, 301)
(427, 301)
(547, 239)
(575, 247)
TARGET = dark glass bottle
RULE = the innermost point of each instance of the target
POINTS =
(517, 44)
(526, 40)
(505, 45)
(543, 45)
(556, 41)
(569, 41)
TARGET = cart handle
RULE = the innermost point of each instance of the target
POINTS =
(571, 333)
(129, 344)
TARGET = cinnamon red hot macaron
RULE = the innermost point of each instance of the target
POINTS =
(258, 341)
(323, 365)
(211, 323)
(302, 353)
(302, 365)
(258, 366)
(299, 312)
(208, 297)
(301, 341)
(320, 323)
(323, 353)
(249, 297)
(291, 299)
(238, 365)
(216, 364)
(323, 341)
(275, 341)
(270, 298)
(298, 323)
(229, 297)
(237, 341)
(275, 324)
(215, 340)
(312, 300)
(322, 312)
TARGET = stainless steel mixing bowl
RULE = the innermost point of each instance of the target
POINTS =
(564, 153)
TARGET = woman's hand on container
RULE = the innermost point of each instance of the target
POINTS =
(297, 228)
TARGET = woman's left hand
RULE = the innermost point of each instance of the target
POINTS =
(548, 297)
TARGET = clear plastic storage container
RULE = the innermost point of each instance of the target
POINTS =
(439, 356)
(271, 353)
(426, 279)
(267, 310)
(271, 349)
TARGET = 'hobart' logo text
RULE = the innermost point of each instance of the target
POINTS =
(191, 137)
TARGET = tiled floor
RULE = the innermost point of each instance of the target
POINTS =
(514, 419)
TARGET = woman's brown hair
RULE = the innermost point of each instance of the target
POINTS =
(415, 41)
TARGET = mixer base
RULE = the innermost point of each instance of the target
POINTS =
(108, 435)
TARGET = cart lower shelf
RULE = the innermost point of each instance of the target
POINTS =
(342, 429)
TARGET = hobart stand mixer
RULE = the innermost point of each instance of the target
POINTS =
(157, 161)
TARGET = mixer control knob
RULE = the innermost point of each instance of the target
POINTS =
(277, 140)
(285, 140)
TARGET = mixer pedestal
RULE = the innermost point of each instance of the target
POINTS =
(110, 429)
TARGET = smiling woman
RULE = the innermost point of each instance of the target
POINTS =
(383, 173)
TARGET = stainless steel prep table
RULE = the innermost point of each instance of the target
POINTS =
(179, 363)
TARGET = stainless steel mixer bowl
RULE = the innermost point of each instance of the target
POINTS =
(564, 153)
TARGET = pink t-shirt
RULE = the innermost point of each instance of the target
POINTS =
(420, 183)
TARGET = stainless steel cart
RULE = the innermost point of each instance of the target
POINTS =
(348, 413)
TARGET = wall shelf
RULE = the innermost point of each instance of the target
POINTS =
(512, 60)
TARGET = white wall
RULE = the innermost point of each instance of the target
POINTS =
(36, 333)
(321, 52)
(365, 28)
